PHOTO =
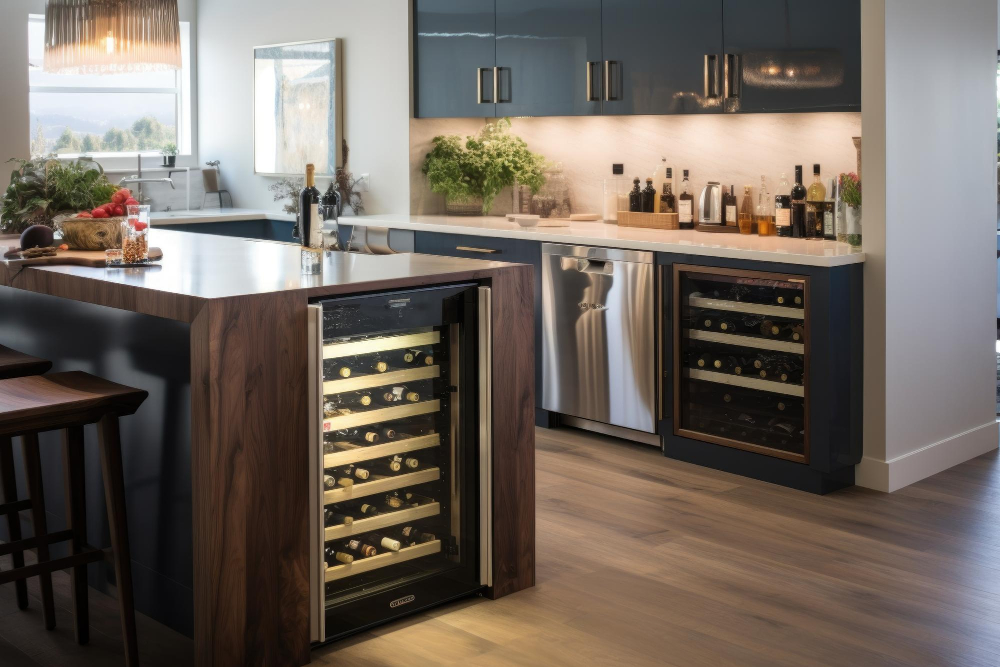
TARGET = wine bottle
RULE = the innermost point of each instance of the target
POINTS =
(334, 556)
(704, 361)
(354, 399)
(396, 464)
(365, 434)
(746, 219)
(331, 518)
(729, 217)
(798, 197)
(398, 394)
(798, 333)
(728, 326)
(329, 482)
(339, 368)
(310, 225)
(330, 203)
(415, 535)
(384, 541)
(788, 298)
(815, 198)
(359, 548)
(367, 509)
(393, 500)
(763, 216)
(417, 499)
(648, 197)
(783, 208)
(354, 470)
(418, 358)
(386, 432)
(685, 204)
(635, 197)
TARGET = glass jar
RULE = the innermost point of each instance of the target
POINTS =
(552, 200)
(135, 235)
(615, 194)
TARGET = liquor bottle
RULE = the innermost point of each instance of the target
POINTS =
(383, 541)
(729, 218)
(365, 434)
(635, 197)
(398, 394)
(685, 204)
(334, 556)
(783, 208)
(815, 205)
(763, 216)
(310, 225)
(659, 178)
(667, 203)
(746, 215)
(648, 197)
(829, 221)
(354, 470)
(417, 358)
(331, 518)
(359, 547)
(798, 198)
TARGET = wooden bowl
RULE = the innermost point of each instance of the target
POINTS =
(92, 233)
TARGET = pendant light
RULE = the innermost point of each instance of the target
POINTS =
(111, 36)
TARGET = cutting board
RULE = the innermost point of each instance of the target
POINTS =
(74, 258)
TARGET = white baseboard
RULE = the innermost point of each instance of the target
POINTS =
(920, 464)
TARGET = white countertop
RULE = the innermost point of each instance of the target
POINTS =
(734, 246)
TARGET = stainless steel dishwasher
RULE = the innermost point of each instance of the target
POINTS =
(598, 335)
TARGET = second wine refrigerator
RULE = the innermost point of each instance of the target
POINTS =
(402, 454)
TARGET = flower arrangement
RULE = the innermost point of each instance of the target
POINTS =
(483, 166)
(850, 189)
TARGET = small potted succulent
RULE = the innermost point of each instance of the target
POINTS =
(169, 153)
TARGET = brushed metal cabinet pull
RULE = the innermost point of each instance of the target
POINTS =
(482, 251)
(733, 75)
(608, 65)
(590, 81)
(496, 85)
(479, 86)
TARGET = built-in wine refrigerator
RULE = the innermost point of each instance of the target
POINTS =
(401, 457)
(741, 360)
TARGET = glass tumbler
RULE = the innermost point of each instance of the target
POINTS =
(135, 235)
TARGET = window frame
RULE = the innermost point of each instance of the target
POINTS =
(185, 113)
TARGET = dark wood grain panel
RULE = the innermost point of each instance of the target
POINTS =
(250, 482)
(513, 431)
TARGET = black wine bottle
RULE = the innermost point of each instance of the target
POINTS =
(310, 225)
(367, 509)
(359, 547)
(331, 518)
(397, 394)
(798, 196)
(410, 535)
(336, 557)
(388, 543)
(332, 404)
(353, 470)
(418, 358)
(363, 435)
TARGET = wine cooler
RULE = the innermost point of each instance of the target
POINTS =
(741, 360)
(401, 454)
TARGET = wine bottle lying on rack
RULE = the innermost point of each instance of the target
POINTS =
(384, 541)
(396, 465)
(333, 403)
(785, 297)
(365, 509)
(397, 394)
(410, 535)
(334, 556)
(394, 501)
(360, 435)
(352, 470)
(331, 518)
(359, 547)
(330, 482)
(417, 499)
(417, 357)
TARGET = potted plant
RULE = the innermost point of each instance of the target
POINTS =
(169, 153)
(42, 191)
(850, 194)
(471, 175)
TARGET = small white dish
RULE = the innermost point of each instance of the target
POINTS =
(526, 220)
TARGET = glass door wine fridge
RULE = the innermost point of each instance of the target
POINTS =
(401, 454)
(741, 360)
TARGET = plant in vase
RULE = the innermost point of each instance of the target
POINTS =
(850, 194)
(43, 190)
(471, 175)
(169, 153)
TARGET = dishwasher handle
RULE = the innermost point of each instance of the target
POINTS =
(588, 265)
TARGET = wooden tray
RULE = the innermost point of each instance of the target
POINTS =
(649, 220)
(717, 228)
(95, 258)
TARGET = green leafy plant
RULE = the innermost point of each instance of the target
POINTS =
(43, 188)
(850, 189)
(483, 166)
(169, 149)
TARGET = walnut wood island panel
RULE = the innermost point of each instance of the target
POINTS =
(218, 334)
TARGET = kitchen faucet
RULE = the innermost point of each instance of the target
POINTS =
(140, 180)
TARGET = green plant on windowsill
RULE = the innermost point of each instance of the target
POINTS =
(169, 149)
(42, 188)
(483, 166)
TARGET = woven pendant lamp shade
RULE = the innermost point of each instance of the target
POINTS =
(111, 36)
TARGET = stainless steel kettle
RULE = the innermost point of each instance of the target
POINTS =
(710, 204)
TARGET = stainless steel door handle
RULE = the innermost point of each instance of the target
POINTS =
(482, 251)
(608, 96)
(711, 76)
(485, 317)
(590, 81)
(733, 76)
(479, 86)
(496, 85)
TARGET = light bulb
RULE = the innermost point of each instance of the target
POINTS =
(110, 42)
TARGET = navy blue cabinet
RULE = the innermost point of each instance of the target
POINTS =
(792, 56)
(454, 58)
(549, 57)
(662, 56)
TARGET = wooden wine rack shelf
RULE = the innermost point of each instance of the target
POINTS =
(380, 379)
(381, 485)
(753, 308)
(746, 341)
(746, 382)
(379, 415)
(386, 450)
(369, 345)
(382, 560)
(382, 520)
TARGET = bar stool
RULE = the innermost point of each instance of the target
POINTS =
(69, 401)
(16, 364)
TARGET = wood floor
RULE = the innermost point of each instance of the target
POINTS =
(647, 561)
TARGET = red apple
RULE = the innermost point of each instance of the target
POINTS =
(99, 213)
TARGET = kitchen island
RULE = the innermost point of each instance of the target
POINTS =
(217, 459)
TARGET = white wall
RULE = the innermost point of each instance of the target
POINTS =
(376, 88)
(930, 280)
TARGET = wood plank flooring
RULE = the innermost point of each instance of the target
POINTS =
(647, 561)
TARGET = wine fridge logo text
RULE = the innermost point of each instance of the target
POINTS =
(401, 601)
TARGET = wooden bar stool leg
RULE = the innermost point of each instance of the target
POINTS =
(76, 516)
(33, 473)
(9, 483)
(114, 494)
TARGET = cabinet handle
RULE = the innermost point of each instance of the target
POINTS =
(608, 64)
(496, 85)
(733, 76)
(482, 251)
(479, 86)
(590, 82)
(711, 76)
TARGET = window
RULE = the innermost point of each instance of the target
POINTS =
(109, 115)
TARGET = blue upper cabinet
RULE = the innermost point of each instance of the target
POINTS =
(549, 57)
(454, 58)
(662, 56)
(792, 56)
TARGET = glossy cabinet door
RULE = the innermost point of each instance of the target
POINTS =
(549, 55)
(793, 56)
(662, 56)
(454, 53)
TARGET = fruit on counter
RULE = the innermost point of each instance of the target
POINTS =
(131, 202)
(64, 247)
(36, 236)
(99, 213)
(121, 196)
(83, 214)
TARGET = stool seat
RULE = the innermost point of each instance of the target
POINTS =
(15, 364)
(60, 400)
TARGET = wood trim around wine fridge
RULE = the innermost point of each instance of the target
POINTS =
(678, 269)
